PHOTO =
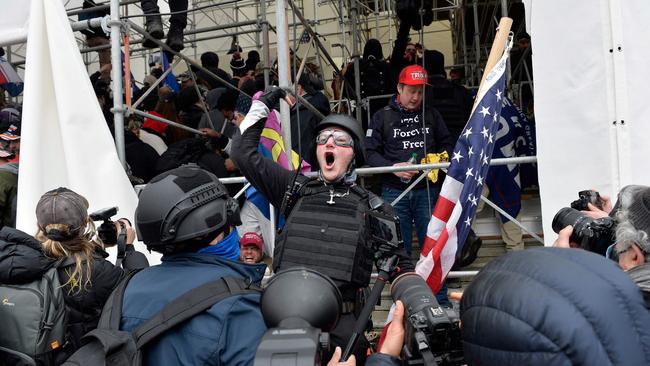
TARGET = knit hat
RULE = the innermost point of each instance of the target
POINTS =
(62, 206)
(252, 238)
(237, 65)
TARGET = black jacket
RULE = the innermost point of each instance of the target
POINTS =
(272, 180)
(552, 306)
(22, 260)
(303, 124)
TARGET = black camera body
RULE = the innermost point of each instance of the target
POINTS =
(586, 197)
(594, 235)
(106, 231)
(432, 332)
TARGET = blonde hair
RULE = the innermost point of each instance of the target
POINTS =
(79, 247)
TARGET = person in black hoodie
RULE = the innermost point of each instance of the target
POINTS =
(453, 101)
(66, 231)
(374, 77)
(304, 121)
(210, 61)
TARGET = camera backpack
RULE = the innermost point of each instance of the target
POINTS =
(33, 317)
(108, 345)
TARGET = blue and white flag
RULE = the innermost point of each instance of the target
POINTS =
(503, 180)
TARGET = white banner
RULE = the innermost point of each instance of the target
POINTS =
(14, 21)
(65, 140)
(590, 62)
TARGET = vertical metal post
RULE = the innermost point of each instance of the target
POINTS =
(257, 34)
(377, 19)
(464, 39)
(116, 75)
(477, 44)
(282, 33)
(193, 27)
(355, 53)
(315, 28)
(265, 43)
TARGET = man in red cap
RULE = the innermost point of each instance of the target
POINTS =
(251, 248)
(404, 131)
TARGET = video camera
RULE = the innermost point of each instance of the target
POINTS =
(432, 332)
(594, 235)
(299, 307)
(107, 233)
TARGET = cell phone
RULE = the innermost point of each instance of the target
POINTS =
(384, 228)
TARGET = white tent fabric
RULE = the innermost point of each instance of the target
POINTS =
(65, 139)
(590, 65)
(14, 21)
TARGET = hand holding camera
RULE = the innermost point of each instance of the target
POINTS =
(112, 233)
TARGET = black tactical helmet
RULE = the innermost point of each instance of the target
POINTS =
(352, 127)
(181, 204)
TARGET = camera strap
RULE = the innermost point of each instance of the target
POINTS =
(121, 246)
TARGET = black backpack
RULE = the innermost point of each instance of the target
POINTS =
(107, 345)
(33, 316)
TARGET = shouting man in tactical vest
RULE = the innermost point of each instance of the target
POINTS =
(325, 226)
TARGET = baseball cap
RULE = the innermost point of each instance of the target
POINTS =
(12, 133)
(252, 238)
(413, 75)
(62, 206)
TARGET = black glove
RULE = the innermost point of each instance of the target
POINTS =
(272, 96)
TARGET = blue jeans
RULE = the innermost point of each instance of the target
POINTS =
(416, 207)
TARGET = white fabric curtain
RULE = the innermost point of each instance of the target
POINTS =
(590, 62)
(65, 140)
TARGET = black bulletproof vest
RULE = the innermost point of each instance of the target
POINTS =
(329, 238)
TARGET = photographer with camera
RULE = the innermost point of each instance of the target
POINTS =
(631, 247)
(65, 242)
(326, 216)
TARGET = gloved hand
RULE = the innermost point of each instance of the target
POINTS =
(272, 96)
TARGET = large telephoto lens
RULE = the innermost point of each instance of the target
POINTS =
(569, 216)
(414, 293)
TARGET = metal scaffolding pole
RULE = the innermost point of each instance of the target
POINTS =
(116, 74)
(354, 13)
(265, 43)
(282, 27)
(477, 44)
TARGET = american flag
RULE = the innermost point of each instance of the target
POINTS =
(456, 205)
(461, 191)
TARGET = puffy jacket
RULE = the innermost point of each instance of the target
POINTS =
(552, 306)
(22, 260)
(394, 134)
(226, 334)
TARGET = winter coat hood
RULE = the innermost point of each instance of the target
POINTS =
(373, 48)
(552, 306)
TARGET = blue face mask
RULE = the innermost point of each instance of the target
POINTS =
(227, 248)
